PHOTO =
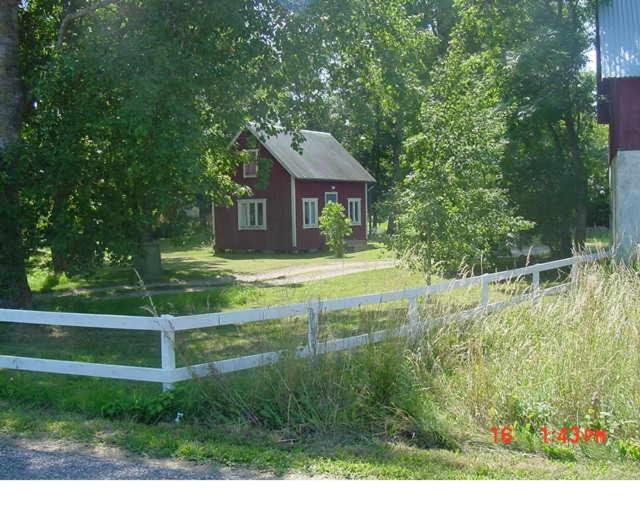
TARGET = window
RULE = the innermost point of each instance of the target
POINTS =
(309, 212)
(252, 214)
(355, 213)
(250, 168)
(330, 196)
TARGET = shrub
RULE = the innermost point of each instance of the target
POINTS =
(143, 409)
(335, 226)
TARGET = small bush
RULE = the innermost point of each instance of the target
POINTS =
(335, 227)
(144, 409)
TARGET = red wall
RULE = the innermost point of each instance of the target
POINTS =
(311, 239)
(277, 236)
(624, 114)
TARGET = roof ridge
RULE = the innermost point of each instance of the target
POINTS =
(316, 131)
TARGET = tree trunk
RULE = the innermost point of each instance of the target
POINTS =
(58, 261)
(565, 242)
(391, 224)
(580, 172)
(14, 288)
(148, 263)
(59, 255)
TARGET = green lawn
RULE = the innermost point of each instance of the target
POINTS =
(192, 262)
(238, 295)
(196, 261)
(142, 348)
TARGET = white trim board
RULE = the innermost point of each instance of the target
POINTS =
(294, 214)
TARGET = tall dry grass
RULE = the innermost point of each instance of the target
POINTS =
(569, 359)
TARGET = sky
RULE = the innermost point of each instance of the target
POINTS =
(591, 61)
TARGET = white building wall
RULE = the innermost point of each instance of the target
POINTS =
(625, 203)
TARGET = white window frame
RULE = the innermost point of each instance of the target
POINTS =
(357, 201)
(314, 225)
(330, 193)
(253, 201)
(255, 152)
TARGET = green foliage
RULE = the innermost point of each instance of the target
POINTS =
(146, 409)
(452, 208)
(264, 173)
(373, 391)
(371, 62)
(565, 360)
(134, 111)
(527, 414)
(629, 449)
(335, 227)
(556, 152)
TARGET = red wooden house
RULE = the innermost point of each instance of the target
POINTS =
(282, 213)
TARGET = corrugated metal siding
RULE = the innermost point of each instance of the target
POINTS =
(619, 38)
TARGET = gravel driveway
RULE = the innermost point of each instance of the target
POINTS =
(278, 277)
(22, 459)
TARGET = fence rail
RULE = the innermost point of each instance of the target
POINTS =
(168, 325)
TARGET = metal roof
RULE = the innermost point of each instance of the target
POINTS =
(619, 27)
(323, 157)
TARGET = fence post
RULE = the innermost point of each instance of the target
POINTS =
(535, 281)
(167, 348)
(314, 327)
(484, 291)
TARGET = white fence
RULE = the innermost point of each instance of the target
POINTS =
(168, 326)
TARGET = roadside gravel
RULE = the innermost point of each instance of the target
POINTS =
(26, 459)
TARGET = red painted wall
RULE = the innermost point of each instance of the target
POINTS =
(311, 238)
(624, 114)
(277, 236)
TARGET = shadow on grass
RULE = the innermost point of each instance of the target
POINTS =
(180, 263)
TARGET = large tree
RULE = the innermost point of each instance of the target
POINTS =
(453, 209)
(135, 108)
(372, 60)
(541, 45)
(14, 289)
(129, 108)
